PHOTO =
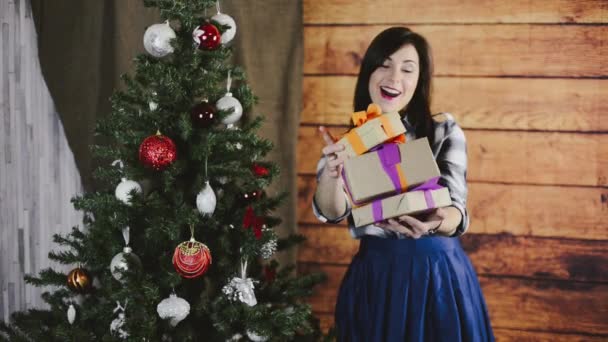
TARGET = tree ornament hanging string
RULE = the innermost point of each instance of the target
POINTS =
(228, 84)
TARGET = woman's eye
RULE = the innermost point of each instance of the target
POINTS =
(408, 70)
(385, 66)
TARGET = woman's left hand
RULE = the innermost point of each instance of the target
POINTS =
(413, 227)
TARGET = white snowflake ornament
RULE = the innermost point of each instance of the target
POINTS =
(116, 327)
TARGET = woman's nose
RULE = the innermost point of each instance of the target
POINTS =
(396, 75)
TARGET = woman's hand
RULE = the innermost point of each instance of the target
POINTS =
(413, 227)
(334, 164)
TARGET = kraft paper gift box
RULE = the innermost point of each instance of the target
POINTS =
(389, 170)
(372, 129)
(407, 203)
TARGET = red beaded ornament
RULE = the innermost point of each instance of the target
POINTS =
(207, 37)
(157, 152)
(191, 259)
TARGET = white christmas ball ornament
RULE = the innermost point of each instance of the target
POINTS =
(157, 39)
(206, 200)
(255, 337)
(224, 19)
(120, 264)
(124, 188)
(174, 308)
(230, 103)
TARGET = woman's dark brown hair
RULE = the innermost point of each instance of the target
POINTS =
(385, 44)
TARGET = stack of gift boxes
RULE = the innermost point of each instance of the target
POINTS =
(386, 176)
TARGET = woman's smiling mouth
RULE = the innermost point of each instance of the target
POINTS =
(389, 93)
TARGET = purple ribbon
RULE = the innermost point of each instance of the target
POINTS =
(431, 184)
(390, 156)
(377, 210)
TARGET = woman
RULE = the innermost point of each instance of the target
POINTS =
(410, 280)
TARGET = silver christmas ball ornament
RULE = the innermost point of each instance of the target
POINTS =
(120, 263)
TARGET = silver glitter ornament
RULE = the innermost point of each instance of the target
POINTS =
(173, 308)
(268, 249)
(241, 288)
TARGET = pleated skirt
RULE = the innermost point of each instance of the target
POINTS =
(411, 290)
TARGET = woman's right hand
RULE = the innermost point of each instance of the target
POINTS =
(334, 164)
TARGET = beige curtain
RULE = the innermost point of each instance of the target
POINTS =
(86, 44)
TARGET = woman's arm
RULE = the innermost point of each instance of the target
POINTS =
(329, 203)
(329, 196)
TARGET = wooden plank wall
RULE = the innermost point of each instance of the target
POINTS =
(528, 82)
(38, 175)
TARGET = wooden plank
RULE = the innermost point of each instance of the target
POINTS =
(540, 210)
(502, 254)
(453, 11)
(556, 306)
(472, 50)
(491, 103)
(516, 335)
(502, 335)
(509, 157)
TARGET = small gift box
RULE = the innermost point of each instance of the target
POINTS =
(372, 128)
(389, 169)
(421, 199)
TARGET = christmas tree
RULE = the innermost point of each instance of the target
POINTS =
(177, 243)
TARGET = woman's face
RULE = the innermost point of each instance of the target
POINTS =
(392, 85)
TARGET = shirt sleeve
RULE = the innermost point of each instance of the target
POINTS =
(315, 208)
(452, 162)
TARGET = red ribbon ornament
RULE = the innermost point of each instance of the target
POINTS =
(250, 220)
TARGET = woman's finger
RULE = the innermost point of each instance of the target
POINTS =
(418, 227)
(334, 163)
(327, 136)
(333, 148)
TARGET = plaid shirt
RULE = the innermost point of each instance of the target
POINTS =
(450, 152)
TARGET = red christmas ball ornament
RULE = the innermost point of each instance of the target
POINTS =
(207, 37)
(203, 115)
(251, 196)
(269, 274)
(259, 170)
(191, 259)
(157, 152)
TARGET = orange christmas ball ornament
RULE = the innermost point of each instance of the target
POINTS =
(79, 280)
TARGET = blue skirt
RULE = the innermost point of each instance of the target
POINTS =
(411, 290)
